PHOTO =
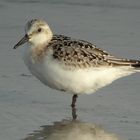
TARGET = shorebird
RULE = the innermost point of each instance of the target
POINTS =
(70, 65)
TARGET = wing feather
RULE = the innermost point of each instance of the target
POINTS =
(80, 53)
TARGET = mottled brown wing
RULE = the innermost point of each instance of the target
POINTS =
(79, 53)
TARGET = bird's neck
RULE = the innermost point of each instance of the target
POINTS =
(39, 50)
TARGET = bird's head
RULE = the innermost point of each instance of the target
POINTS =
(37, 32)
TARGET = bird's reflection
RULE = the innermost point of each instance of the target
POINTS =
(71, 130)
(74, 114)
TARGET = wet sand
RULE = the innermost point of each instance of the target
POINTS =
(26, 104)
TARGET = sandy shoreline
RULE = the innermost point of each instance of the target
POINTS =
(26, 104)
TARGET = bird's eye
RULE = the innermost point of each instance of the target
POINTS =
(39, 30)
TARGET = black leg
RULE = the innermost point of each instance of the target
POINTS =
(74, 98)
(74, 115)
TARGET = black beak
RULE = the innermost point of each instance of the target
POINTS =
(22, 41)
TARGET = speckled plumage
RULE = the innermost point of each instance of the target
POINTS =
(80, 53)
(68, 64)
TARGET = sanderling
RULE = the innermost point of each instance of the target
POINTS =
(70, 65)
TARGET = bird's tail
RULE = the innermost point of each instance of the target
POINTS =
(125, 62)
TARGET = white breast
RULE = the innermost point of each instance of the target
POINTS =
(79, 81)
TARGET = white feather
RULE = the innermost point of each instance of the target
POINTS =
(79, 81)
(54, 74)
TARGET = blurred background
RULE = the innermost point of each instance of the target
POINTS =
(26, 104)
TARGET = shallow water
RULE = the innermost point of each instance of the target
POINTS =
(26, 104)
(68, 130)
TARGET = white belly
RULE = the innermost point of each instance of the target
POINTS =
(78, 81)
